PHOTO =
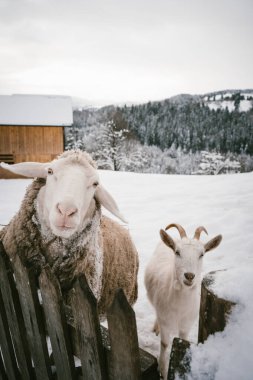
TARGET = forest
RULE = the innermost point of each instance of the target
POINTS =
(185, 134)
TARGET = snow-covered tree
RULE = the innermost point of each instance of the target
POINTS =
(216, 163)
(74, 138)
(111, 140)
(133, 157)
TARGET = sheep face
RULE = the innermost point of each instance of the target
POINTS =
(69, 191)
(72, 183)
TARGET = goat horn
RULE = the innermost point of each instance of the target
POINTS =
(180, 229)
(198, 232)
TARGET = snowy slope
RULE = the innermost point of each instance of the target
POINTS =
(223, 204)
(226, 99)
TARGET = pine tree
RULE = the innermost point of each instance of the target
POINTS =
(111, 143)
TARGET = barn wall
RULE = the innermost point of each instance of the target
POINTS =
(31, 143)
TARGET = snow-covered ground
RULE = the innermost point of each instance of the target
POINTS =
(223, 204)
(245, 105)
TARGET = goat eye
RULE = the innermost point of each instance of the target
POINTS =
(202, 254)
(177, 253)
(95, 184)
(50, 171)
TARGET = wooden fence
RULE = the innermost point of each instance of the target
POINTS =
(38, 340)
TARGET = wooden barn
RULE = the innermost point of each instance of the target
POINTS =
(32, 127)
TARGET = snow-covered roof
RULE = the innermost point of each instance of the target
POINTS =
(48, 110)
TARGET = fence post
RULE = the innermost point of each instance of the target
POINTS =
(57, 325)
(124, 356)
(3, 375)
(6, 344)
(10, 302)
(84, 307)
(214, 310)
(33, 319)
(180, 359)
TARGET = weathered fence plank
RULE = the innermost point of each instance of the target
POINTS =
(84, 307)
(2, 369)
(149, 366)
(33, 319)
(14, 317)
(124, 356)
(23, 323)
(214, 310)
(180, 360)
(57, 325)
(6, 344)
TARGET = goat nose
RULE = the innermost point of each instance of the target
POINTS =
(66, 210)
(189, 276)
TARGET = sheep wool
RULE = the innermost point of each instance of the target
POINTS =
(102, 250)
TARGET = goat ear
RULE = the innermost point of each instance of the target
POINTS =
(167, 240)
(106, 200)
(27, 169)
(213, 243)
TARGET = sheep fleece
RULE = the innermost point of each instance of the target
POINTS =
(120, 258)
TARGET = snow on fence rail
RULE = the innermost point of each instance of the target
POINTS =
(28, 322)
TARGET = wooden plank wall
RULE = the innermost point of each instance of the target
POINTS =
(31, 143)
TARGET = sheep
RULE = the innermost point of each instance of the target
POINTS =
(60, 223)
(173, 281)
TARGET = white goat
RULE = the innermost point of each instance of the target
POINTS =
(173, 281)
(60, 223)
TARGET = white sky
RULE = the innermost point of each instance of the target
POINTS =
(123, 51)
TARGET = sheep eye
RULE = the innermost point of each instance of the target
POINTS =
(95, 184)
(177, 253)
(50, 171)
(202, 254)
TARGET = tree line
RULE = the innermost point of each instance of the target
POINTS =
(166, 137)
(192, 127)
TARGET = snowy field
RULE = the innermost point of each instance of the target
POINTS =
(223, 204)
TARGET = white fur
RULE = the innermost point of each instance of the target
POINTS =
(67, 197)
(176, 300)
(66, 205)
(68, 193)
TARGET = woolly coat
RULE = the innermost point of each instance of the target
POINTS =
(120, 259)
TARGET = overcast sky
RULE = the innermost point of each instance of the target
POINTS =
(125, 50)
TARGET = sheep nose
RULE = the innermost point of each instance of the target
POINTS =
(189, 276)
(66, 210)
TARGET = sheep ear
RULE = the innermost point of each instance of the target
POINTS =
(27, 169)
(106, 200)
(167, 240)
(213, 243)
